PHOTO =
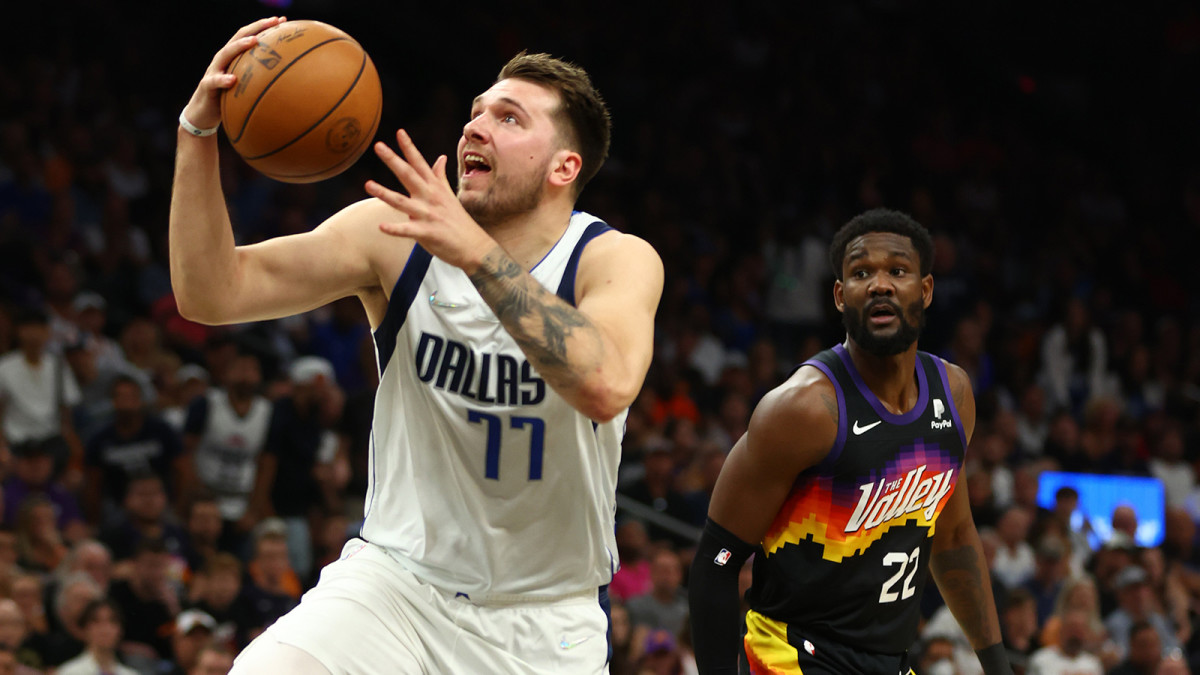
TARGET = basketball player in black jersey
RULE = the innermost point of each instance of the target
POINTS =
(847, 487)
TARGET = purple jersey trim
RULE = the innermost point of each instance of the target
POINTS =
(908, 417)
(840, 442)
(962, 431)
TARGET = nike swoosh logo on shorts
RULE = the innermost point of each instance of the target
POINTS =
(571, 645)
(858, 431)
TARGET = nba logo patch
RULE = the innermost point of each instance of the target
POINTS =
(722, 557)
(808, 647)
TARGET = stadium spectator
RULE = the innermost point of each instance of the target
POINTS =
(1136, 603)
(212, 660)
(1014, 563)
(33, 479)
(28, 648)
(633, 546)
(274, 587)
(75, 594)
(665, 606)
(144, 516)
(135, 442)
(219, 593)
(1145, 651)
(202, 525)
(1019, 626)
(304, 464)
(1070, 654)
(193, 632)
(148, 601)
(101, 622)
(37, 392)
(87, 556)
(225, 431)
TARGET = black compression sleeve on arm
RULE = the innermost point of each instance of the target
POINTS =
(713, 599)
(994, 660)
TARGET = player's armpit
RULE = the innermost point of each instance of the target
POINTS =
(290, 274)
(792, 429)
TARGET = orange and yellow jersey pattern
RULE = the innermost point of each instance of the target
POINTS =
(846, 557)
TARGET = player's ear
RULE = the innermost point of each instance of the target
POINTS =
(837, 296)
(565, 166)
(927, 289)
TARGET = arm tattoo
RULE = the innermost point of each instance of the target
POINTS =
(831, 406)
(538, 320)
(957, 390)
(960, 574)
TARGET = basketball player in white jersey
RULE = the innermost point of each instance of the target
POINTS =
(512, 334)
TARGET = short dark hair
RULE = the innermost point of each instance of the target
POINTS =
(1066, 492)
(882, 220)
(582, 116)
(92, 608)
(122, 379)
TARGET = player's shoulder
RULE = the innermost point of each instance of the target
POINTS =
(614, 259)
(616, 247)
(806, 401)
(359, 222)
(957, 379)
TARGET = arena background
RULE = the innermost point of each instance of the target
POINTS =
(1051, 147)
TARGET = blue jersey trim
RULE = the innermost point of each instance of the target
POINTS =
(606, 605)
(566, 288)
(403, 294)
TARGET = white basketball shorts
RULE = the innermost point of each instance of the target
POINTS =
(369, 615)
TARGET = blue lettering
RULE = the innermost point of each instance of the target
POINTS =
(456, 353)
(469, 376)
(539, 386)
(425, 370)
(484, 371)
(506, 385)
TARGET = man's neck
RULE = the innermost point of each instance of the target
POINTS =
(664, 596)
(890, 378)
(34, 358)
(127, 428)
(240, 404)
(527, 238)
(105, 658)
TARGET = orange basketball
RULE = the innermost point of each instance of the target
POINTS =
(306, 103)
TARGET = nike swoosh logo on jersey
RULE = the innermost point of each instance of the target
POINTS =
(438, 303)
(858, 431)
(571, 645)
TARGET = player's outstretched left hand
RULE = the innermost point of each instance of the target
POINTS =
(436, 219)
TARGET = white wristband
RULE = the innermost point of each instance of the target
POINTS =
(193, 129)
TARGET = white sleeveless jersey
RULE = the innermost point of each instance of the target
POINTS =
(227, 454)
(483, 480)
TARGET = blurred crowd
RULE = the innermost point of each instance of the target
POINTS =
(169, 489)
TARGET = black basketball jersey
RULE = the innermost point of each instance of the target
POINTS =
(847, 557)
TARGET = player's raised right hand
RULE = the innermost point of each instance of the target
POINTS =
(204, 108)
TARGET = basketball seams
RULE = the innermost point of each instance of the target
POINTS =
(350, 159)
(361, 69)
(265, 89)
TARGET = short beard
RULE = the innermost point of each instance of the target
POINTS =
(504, 199)
(858, 330)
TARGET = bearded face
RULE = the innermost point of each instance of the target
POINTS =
(909, 324)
